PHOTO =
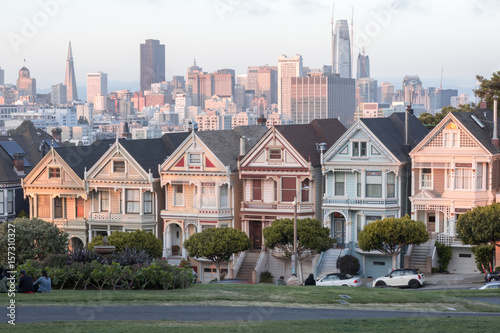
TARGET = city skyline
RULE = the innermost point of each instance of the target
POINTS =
(400, 37)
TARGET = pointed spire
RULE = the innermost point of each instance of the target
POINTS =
(70, 52)
(194, 62)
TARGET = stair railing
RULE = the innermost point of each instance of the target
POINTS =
(238, 263)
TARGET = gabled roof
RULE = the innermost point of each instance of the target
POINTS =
(29, 142)
(305, 137)
(226, 144)
(390, 132)
(149, 153)
(483, 135)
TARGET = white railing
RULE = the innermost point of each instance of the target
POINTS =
(238, 263)
(69, 223)
(359, 202)
(444, 238)
(434, 257)
(122, 217)
(260, 266)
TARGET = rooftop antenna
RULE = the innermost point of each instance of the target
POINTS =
(441, 83)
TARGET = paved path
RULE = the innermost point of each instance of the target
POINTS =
(26, 314)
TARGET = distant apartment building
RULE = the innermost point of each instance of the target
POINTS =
(263, 80)
(86, 111)
(97, 85)
(58, 94)
(288, 67)
(213, 121)
(224, 82)
(462, 99)
(152, 70)
(243, 119)
(367, 90)
(2, 77)
(217, 103)
(386, 93)
(322, 96)
(182, 102)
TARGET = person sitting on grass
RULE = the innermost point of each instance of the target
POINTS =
(310, 281)
(43, 284)
(281, 281)
(3, 281)
(293, 281)
(25, 283)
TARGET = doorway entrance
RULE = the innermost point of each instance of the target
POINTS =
(338, 229)
(256, 234)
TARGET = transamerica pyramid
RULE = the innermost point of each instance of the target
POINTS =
(70, 80)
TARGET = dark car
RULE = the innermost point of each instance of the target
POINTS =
(493, 276)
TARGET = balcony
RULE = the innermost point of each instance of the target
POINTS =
(113, 217)
(273, 207)
(66, 224)
(362, 202)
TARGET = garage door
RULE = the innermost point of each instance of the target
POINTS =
(376, 266)
(462, 261)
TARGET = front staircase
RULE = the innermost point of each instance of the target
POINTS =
(421, 257)
(329, 264)
(247, 266)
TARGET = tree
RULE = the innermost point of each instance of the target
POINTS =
(312, 238)
(488, 88)
(217, 245)
(480, 225)
(25, 126)
(432, 120)
(33, 239)
(83, 121)
(391, 235)
(137, 240)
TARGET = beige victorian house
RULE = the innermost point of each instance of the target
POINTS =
(202, 189)
(454, 169)
(101, 188)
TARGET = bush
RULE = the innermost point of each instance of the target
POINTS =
(84, 255)
(444, 254)
(56, 261)
(484, 254)
(348, 264)
(34, 239)
(434, 270)
(266, 277)
(138, 240)
(129, 257)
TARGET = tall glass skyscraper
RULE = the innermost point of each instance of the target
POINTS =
(342, 49)
(152, 63)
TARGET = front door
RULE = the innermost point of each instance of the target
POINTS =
(339, 229)
(256, 234)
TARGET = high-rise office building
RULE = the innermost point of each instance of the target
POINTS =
(386, 92)
(152, 63)
(264, 81)
(26, 86)
(70, 79)
(224, 82)
(411, 88)
(363, 66)
(341, 49)
(288, 67)
(367, 90)
(322, 96)
(97, 84)
(58, 94)
(2, 77)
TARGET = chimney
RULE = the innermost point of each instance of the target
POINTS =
(56, 133)
(261, 121)
(190, 127)
(242, 146)
(19, 163)
(483, 105)
(494, 139)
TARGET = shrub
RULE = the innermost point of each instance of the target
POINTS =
(129, 257)
(484, 254)
(444, 254)
(84, 255)
(348, 264)
(138, 240)
(185, 264)
(434, 270)
(266, 277)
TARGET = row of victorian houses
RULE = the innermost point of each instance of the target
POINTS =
(248, 177)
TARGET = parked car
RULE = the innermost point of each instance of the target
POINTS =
(491, 285)
(403, 277)
(493, 276)
(340, 279)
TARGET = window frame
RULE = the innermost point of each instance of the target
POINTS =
(2, 202)
(119, 169)
(178, 196)
(359, 149)
(286, 192)
(54, 173)
(81, 207)
(257, 190)
(369, 185)
(211, 197)
(274, 152)
(58, 207)
(135, 201)
(335, 182)
(387, 191)
(424, 183)
(190, 159)
(103, 200)
(147, 202)
(305, 194)
(224, 203)
(10, 202)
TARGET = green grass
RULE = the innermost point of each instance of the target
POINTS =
(270, 295)
(413, 324)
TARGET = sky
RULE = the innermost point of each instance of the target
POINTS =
(414, 37)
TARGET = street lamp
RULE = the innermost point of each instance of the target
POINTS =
(295, 254)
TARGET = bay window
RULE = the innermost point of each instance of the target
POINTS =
(374, 184)
(224, 197)
(256, 189)
(339, 183)
(288, 189)
(208, 199)
(391, 185)
(148, 202)
(132, 201)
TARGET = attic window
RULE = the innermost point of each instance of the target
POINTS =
(195, 159)
(54, 173)
(118, 166)
(275, 154)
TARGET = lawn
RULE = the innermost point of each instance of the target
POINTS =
(271, 295)
(445, 324)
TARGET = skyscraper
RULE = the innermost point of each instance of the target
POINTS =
(287, 68)
(26, 86)
(58, 94)
(97, 84)
(152, 63)
(2, 77)
(363, 66)
(70, 80)
(341, 49)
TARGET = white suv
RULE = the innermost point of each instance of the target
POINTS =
(403, 277)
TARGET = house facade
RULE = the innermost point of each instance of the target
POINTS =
(454, 169)
(202, 188)
(101, 188)
(283, 164)
(367, 178)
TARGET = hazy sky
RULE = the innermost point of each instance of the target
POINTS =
(400, 36)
